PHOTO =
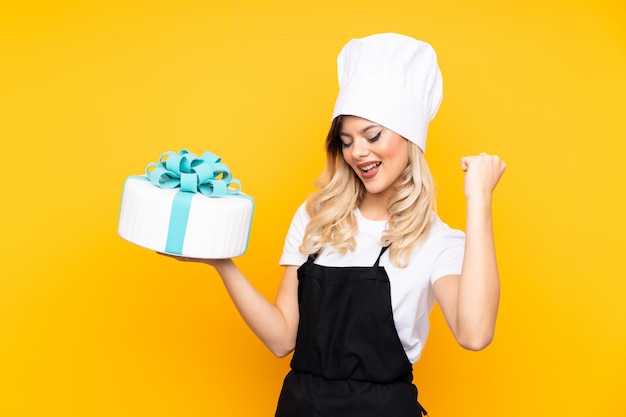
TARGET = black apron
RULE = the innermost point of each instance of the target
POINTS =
(348, 360)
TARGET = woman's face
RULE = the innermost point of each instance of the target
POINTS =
(377, 155)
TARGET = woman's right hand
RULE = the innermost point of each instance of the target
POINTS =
(216, 263)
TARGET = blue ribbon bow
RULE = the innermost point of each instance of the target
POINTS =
(206, 175)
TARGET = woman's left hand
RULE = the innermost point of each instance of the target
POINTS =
(482, 175)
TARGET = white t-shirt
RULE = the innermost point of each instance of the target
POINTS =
(412, 297)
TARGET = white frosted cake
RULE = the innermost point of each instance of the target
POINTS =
(184, 223)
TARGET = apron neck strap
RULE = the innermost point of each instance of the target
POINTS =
(383, 250)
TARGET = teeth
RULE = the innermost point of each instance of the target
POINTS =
(370, 166)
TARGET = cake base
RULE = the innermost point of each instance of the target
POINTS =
(216, 228)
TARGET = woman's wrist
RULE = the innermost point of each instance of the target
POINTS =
(478, 201)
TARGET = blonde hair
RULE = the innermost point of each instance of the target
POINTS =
(331, 208)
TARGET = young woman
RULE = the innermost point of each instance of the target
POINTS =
(366, 256)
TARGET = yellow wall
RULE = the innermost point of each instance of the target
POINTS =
(90, 92)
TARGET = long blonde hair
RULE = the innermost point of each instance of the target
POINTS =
(331, 208)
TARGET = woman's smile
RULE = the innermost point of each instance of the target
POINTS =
(370, 169)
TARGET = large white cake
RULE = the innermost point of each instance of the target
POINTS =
(216, 227)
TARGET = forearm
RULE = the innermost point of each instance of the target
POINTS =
(479, 284)
(272, 325)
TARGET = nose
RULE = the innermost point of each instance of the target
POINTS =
(360, 148)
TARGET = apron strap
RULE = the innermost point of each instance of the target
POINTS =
(423, 411)
(383, 250)
(314, 256)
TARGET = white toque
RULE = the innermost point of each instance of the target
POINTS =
(392, 80)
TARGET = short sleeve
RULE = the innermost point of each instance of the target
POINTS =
(291, 254)
(449, 253)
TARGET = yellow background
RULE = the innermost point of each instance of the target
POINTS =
(91, 325)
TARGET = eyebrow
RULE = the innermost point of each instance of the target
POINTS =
(362, 131)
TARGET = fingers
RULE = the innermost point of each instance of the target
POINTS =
(483, 171)
(177, 257)
(181, 258)
(212, 262)
(482, 158)
(465, 161)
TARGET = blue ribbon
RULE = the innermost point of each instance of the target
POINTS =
(192, 174)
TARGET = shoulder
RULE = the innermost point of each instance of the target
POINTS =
(439, 230)
(291, 253)
(299, 220)
(301, 212)
(445, 247)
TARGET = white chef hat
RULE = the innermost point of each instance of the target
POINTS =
(392, 80)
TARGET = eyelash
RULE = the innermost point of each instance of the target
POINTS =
(375, 138)
(370, 140)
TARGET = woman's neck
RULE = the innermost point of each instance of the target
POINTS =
(374, 207)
